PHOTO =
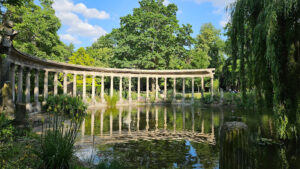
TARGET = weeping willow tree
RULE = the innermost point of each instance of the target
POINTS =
(265, 37)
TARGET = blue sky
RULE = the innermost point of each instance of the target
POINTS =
(84, 21)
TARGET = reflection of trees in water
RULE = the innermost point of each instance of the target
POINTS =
(157, 154)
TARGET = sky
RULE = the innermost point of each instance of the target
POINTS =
(84, 21)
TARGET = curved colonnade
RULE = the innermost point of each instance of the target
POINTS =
(21, 62)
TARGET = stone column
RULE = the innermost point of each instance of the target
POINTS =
(101, 122)
(165, 118)
(84, 87)
(102, 89)
(120, 120)
(36, 86)
(129, 88)
(165, 89)
(138, 120)
(65, 83)
(74, 84)
(193, 89)
(20, 85)
(83, 127)
(120, 89)
(202, 87)
(92, 123)
(93, 88)
(202, 83)
(55, 83)
(156, 118)
(111, 86)
(46, 85)
(139, 88)
(174, 119)
(212, 85)
(183, 89)
(147, 88)
(174, 88)
(13, 81)
(156, 88)
(147, 119)
(27, 90)
(110, 124)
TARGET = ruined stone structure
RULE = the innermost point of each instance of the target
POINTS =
(33, 66)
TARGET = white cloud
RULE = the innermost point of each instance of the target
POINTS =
(69, 38)
(80, 8)
(166, 2)
(68, 12)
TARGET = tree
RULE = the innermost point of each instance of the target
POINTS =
(151, 38)
(80, 57)
(38, 26)
(209, 41)
(265, 37)
(102, 51)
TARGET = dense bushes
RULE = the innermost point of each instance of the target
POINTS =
(71, 106)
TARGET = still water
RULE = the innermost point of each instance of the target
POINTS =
(179, 137)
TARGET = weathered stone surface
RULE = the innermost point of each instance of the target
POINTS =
(7, 102)
(20, 113)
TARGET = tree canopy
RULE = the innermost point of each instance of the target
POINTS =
(151, 38)
(265, 38)
(38, 26)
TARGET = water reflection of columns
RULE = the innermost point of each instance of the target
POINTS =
(129, 124)
(174, 119)
(147, 119)
(138, 120)
(156, 118)
(165, 118)
(120, 120)
(110, 124)
(183, 117)
(193, 119)
(101, 122)
(202, 126)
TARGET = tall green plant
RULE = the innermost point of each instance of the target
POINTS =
(57, 142)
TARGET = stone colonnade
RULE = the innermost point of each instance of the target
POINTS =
(21, 63)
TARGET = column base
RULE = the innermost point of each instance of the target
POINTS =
(28, 107)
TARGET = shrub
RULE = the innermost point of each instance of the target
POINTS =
(71, 106)
(111, 101)
(57, 143)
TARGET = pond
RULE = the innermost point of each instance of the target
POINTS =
(179, 137)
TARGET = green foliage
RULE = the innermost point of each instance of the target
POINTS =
(102, 51)
(209, 42)
(111, 101)
(57, 143)
(66, 105)
(265, 38)
(38, 26)
(80, 57)
(16, 150)
(151, 38)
